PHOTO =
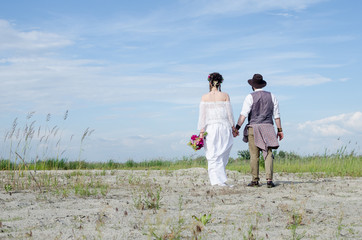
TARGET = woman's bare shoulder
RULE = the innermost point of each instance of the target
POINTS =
(225, 96)
(205, 97)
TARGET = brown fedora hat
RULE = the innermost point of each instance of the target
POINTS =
(257, 81)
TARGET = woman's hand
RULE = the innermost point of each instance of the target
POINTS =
(201, 135)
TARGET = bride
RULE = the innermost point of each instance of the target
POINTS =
(216, 118)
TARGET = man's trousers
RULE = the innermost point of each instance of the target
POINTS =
(254, 159)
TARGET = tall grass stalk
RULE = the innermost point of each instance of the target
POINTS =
(86, 133)
(31, 146)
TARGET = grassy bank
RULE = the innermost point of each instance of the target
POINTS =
(328, 165)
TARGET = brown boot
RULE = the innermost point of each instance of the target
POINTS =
(270, 184)
(253, 184)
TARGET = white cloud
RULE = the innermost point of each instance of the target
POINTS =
(10, 38)
(340, 125)
(142, 147)
(300, 80)
(284, 14)
(325, 136)
(46, 83)
(328, 39)
(240, 7)
(344, 79)
(292, 55)
(136, 141)
(325, 65)
(354, 121)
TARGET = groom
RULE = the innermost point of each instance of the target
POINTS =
(260, 107)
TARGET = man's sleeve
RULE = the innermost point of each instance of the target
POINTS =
(247, 106)
(276, 112)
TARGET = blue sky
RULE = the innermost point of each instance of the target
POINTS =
(135, 71)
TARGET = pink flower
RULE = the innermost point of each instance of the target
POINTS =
(196, 142)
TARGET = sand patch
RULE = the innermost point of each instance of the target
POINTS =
(119, 206)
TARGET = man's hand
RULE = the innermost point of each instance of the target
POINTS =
(280, 135)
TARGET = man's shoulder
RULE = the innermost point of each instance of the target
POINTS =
(248, 99)
(261, 93)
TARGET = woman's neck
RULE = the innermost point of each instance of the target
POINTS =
(214, 89)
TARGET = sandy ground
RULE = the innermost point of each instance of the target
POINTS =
(301, 206)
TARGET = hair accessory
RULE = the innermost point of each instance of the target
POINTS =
(215, 76)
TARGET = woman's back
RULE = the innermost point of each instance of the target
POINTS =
(215, 107)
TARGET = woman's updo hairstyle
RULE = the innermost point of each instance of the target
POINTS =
(215, 79)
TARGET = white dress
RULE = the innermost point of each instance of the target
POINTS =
(217, 119)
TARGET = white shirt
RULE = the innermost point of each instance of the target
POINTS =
(248, 102)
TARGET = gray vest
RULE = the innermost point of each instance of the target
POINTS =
(262, 109)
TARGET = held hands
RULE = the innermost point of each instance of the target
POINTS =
(235, 132)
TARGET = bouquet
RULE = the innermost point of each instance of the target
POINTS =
(196, 142)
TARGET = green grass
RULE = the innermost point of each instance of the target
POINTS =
(328, 166)
(55, 164)
(338, 164)
(331, 165)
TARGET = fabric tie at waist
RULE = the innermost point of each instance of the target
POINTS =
(264, 137)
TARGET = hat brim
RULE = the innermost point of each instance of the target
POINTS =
(261, 84)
